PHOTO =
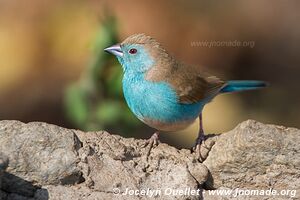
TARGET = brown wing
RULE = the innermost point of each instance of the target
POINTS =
(198, 88)
(193, 85)
(190, 83)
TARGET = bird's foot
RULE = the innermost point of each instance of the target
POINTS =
(151, 142)
(200, 148)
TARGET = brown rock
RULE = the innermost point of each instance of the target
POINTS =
(40, 161)
(256, 156)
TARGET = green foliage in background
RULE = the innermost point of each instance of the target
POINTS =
(96, 102)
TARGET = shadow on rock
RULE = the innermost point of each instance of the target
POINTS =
(13, 187)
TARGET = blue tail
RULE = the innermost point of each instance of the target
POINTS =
(237, 86)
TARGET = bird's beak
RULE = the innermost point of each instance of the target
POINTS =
(115, 50)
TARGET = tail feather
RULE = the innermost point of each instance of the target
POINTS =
(237, 86)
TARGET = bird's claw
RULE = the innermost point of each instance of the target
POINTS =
(200, 148)
(151, 142)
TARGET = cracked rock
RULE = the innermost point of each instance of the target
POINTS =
(41, 161)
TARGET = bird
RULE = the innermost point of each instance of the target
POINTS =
(167, 94)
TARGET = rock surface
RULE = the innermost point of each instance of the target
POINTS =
(41, 161)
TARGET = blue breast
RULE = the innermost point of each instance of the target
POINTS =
(156, 100)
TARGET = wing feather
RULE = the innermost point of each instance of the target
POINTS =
(190, 83)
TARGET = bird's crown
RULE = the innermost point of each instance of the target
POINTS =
(140, 38)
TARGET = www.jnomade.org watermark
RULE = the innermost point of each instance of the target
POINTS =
(223, 43)
(197, 192)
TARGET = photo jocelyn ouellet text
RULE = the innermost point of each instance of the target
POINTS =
(196, 192)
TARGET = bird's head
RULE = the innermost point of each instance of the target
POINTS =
(138, 53)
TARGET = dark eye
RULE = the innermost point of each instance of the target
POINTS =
(132, 51)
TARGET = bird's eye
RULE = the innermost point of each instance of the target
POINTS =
(132, 51)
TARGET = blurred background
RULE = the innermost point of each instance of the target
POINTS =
(53, 68)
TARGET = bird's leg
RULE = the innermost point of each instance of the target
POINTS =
(200, 140)
(152, 141)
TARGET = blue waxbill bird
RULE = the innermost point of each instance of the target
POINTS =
(164, 93)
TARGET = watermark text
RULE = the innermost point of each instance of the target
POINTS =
(150, 192)
(223, 43)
